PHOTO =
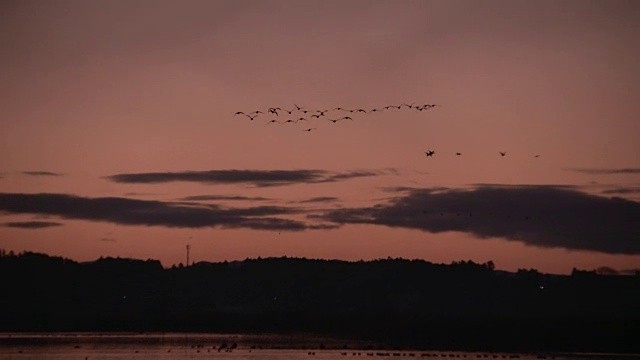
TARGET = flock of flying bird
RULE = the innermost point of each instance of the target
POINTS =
(303, 114)
(300, 113)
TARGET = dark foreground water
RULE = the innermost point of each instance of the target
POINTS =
(89, 346)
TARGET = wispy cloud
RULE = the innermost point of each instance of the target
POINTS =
(596, 171)
(41, 173)
(223, 197)
(319, 199)
(254, 177)
(622, 191)
(153, 213)
(32, 224)
(541, 216)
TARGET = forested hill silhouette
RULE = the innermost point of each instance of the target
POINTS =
(395, 302)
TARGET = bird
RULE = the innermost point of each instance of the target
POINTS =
(334, 120)
(407, 105)
(346, 118)
(251, 117)
(257, 112)
(362, 110)
(291, 121)
(273, 121)
(240, 113)
(458, 153)
(298, 107)
(321, 112)
(316, 115)
(503, 153)
(274, 110)
(430, 152)
(302, 119)
(309, 129)
(536, 155)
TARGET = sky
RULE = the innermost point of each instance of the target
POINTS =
(119, 134)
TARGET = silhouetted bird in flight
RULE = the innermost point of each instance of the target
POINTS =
(502, 153)
(458, 153)
(291, 121)
(298, 107)
(407, 105)
(334, 120)
(346, 118)
(251, 117)
(316, 115)
(257, 112)
(273, 121)
(362, 110)
(430, 152)
(321, 112)
(536, 156)
(309, 129)
(240, 113)
(274, 110)
(302, 119)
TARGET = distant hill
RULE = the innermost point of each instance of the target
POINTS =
(392, 302)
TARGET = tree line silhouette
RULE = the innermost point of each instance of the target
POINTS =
(396, 302)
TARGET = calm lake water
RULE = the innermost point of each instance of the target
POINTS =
(213, 346)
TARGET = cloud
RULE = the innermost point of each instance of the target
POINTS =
(319, 199)
(540, 216)
(223, 197)
(607, 171)
(152, 213)
(259, 178)
(622, 190)
(41, 173)
(31, 224)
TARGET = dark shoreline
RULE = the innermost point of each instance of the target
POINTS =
(391, 304)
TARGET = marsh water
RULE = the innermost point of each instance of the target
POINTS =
(90, 346)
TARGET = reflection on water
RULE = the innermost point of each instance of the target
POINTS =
(87, 346)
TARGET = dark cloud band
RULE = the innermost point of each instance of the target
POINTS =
(254, 177)
(536, 215)
(150, 213)
(41, 173)
(32, 224)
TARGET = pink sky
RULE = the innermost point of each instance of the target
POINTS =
(95, 89)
